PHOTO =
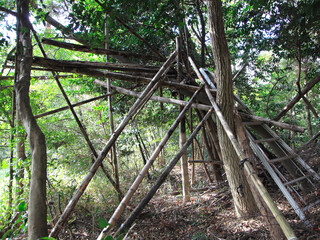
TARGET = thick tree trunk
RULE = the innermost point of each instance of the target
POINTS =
(274, 228)
(244, 204)
(37, 210)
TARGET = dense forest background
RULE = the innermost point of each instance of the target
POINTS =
(274, 46)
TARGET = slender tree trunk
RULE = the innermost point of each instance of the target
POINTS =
(37, 209)
(243, 203)
(274, 228)
(21, 156)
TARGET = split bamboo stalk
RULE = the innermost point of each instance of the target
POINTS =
(162, 177)
(133, 110)
(274, 123)
(113, 220)
(251, 175)
(155, 98)
(73, 105)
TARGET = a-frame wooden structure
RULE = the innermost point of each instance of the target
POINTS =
(202, 98)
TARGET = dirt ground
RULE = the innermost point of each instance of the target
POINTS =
(208, 215)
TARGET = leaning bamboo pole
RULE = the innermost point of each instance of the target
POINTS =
(270, 121)
(154, 98)
(103, 51)
(133, 110)
(73, 105)
(116, 215)
(162, 177)
(251, 175)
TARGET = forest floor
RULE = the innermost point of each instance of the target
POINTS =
(208, 215)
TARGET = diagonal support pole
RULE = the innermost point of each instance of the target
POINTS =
(287, 230)
(115, 217)
(162, 177)
(145, 95)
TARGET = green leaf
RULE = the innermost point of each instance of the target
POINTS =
(102, 223)
(22, 206)
(48, 238)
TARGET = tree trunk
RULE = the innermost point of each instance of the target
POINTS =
(21, 156)
(244, 204)
(274, 228)
(37, 210)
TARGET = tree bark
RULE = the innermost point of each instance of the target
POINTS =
(37, 209)
(274, 228)
(244, 204)
(21, 156)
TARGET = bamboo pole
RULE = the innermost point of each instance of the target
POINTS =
(114, 147)
(270, 121)
(182, 133)
(36, 77)
(133, 110)
(73, 105)
(155, 98)
(103, 51)
(251, 175)
(297, 97)
(51, 65)
(216, 169)
(116, 215)
(199, 154)
(162, 177)
(192, 149)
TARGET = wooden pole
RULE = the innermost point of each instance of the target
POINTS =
(162, 177)
(296, 98)
(103, 51)
(113, 220)
(73, 105)
(114, 147)
(182, 135)
(192, 149)
(274, 123)
(155, 98)
(200, 155)
(250, 173)
(133, 110)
